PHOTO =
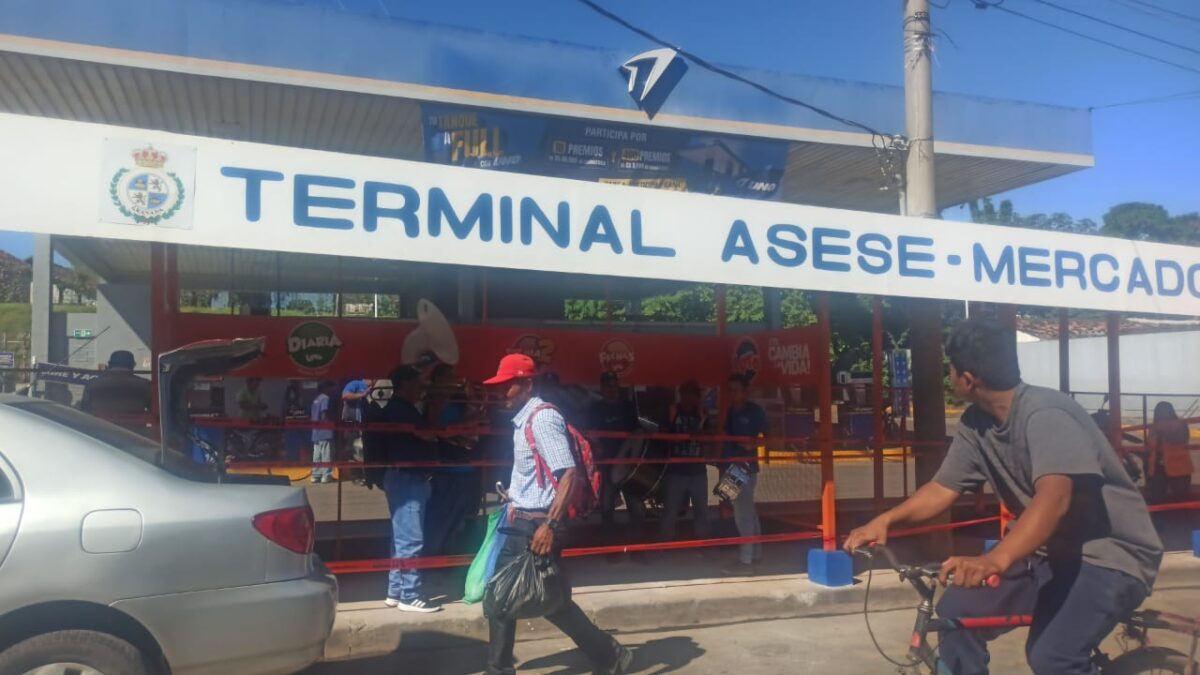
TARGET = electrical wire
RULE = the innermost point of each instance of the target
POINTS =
(1128, 4)
(1118, 26)
(983, 4)
(1182, 96)
(700, 61)
(1165, 10)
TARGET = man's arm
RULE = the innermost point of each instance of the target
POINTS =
(543, 538)
(928, 502)
(1051, 500)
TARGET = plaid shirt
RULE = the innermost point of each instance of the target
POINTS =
(550, 433)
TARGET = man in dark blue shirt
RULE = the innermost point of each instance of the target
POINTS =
(407, 489)
(747, 419)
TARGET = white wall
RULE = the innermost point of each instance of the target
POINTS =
(1153, 363)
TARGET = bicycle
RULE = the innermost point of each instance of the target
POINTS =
(1135, 629)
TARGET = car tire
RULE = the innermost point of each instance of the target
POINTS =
(100, 652)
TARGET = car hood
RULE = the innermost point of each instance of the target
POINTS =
(177, 369)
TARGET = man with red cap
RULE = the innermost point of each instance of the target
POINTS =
(537, 514)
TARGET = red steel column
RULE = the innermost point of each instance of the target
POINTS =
(825, 431)
(877, 396)
(164, 297)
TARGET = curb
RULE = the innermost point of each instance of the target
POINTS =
(366, 629)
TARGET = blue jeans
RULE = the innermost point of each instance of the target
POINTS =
(407, 494)
(745, 516)
(322, 452)
(1074, 607)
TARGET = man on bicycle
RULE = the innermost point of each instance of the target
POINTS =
(1082, 538)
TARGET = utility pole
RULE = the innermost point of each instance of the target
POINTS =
(929, 404)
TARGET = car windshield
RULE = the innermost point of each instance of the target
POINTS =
(117, 437)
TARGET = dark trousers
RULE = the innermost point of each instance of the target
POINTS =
(454, 497)
(608, 501)
(1074, 607)
(600, 647)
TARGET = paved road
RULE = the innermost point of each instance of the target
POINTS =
(835, 644)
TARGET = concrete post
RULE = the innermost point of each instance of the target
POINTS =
(41, 296)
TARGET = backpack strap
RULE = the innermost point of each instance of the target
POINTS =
(542, 471)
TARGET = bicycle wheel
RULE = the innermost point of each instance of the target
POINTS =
(1149, 660)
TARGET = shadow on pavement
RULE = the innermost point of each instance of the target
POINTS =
(666, 655)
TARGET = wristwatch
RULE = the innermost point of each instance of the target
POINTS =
(554, 525)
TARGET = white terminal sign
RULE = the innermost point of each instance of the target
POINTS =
(244, 195)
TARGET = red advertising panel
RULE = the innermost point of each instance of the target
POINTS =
(345, 348)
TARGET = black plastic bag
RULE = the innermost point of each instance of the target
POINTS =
(528, 587)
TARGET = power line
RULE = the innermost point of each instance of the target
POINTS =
(1118, 26)
(1182, 96)
(982, 4)
(1165, 10)
(699, 61)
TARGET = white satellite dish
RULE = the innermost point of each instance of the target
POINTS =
(431, 341)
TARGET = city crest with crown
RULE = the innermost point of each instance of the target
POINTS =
(146, 192)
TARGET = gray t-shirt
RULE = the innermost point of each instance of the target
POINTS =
(1047, 432)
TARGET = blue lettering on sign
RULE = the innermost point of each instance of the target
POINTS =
(506, 220)
(406, 214)
(906, 256)
(1114, 282)
(788, 238)
(303, 200)
(1175, 289)
(1193, 280)
(600, 230)
(1138, 279)
(821, 249)
(635, 225)
(1077, 269)
(560, 234)
(254, 179)
(874, 259)
(480, 213)
(1029, 267)
(1003, 268)
(739, 243)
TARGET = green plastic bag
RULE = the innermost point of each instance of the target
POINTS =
(484, 565)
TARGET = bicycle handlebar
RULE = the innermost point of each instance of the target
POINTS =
(908, 572)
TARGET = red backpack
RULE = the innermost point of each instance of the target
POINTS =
(585, 497)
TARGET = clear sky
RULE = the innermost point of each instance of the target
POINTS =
(1143, 153)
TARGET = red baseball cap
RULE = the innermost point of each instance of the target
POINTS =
(513, 367)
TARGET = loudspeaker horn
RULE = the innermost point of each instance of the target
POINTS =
(431, 341)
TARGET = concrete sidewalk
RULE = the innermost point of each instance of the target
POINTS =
(365, 628)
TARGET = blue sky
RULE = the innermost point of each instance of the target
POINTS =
(1143, 153)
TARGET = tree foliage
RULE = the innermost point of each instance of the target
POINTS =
(1141, 221)
(984, 211)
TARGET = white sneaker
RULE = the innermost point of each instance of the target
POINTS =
(420, 605)
(391, 602)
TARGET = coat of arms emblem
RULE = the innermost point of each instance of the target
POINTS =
(147, 193)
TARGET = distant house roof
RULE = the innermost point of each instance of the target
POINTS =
(1046, 328)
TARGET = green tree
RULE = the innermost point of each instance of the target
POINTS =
(984, 211)
(1141, 221)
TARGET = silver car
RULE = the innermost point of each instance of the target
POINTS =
(120, 556)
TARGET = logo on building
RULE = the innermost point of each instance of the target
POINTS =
(147, 184)
(538, 348)
(616, 356)
(313, 346)
(147, 193)
(746, 361)
(651, 76)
